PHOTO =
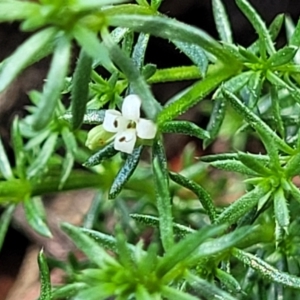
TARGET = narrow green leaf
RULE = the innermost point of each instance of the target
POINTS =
(216, 119)
(232, 165)
(35, 50)
(219, 109)
(277, 81)
(222, 22)
(184, 127)
(254, 164)
(91, 217)
(106, 241)
(281, 210)
(36, 216)
(39, 164)
(163, 197)
(295, 38)
(125, 172)
(155, 4)
(219, 245)
(254, 86)
(54, 84)
(139, 50)
(18, 147)
(45, 293)
(242, 205)
(228, 280)
(5, 168)
(103, 154)
(69, 290)
(150, 106)
(182, 250)
(265, 270)
(154, 222)
(91, 117)
(86, 244)
(274, 30)
(282, 56)
(254, 121)
(258, 24)
(201, 193)
(80, 88)
(195, 53)
(5, 221)
(196, 93)
(219, 157)
(207, 289)
(175, 74)
(66, 170)
(276, 109)
(17, 10)
(90, 43)
(148, 71)
(170, 29)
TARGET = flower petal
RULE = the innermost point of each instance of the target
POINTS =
(131, 107)
(110, 122)
(125, 141)
(146, 129)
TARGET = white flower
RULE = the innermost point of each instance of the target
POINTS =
(127, 125)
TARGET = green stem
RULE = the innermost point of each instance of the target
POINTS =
(175, 74)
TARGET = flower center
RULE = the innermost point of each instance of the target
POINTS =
(131, 125)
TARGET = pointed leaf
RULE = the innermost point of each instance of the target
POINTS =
(36, 216)
(163, 197)
(195, 53)
(281, 210)
(207, 289)
(54, 84)
(103, 154)
(265, 270)
(242, 205)
(35, 48)
(283, 56)
(222, 22)
(254, 121)
(258, 24)
(5, 168)
(184, 127)
(125, 172)
(201, 193)
(80, 88)
(254, 164)
(86, 244)
(5, 221)
(233, 166)
(39, 164)
(182, 250)
(45, 293)
(153, 221)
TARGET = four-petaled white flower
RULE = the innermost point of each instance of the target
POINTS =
(127, 124)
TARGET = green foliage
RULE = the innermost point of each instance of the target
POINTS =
(198, 248)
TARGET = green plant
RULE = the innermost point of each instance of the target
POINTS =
(245, 250)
